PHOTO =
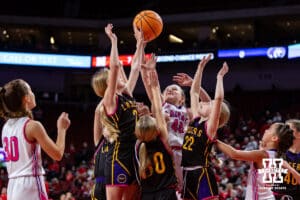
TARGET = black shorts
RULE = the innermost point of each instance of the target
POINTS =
(119, 165)
(99, 191)
(166, 194)
(199, 184)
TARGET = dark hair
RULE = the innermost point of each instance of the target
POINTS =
(285, 136)
(11, 99)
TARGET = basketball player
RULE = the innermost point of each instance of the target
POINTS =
(290, 186)
(119, 115)
(101, 149)
(275, 142)
(176, 115)
(23, 138)
(199, 179)
(99, 191)
(154, 156)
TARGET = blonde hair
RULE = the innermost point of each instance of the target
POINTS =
(145, 131)
(224, 115)
(112, 130)
(99, 82)
(146, 128)
(145, 161)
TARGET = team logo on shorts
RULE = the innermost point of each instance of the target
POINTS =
(122, 178)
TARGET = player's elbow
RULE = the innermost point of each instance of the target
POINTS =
(57, 156)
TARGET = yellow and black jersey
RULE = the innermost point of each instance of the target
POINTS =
(196, 145)
(124, 118)
(289, 185)
(119, 163)
(160, 174)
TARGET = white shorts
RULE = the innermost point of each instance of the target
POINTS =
(27, 187)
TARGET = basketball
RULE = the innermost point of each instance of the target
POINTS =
(150, 23)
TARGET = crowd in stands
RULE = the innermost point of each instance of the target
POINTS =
(72, 178)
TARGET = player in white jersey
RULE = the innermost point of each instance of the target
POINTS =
(177, 121)
(276, 140)
(23, 138)
(256, 188)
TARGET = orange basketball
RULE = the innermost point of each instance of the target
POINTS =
(150, 23)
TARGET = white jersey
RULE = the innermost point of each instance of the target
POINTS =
(178, 121)
(256, 188)
(23, 158)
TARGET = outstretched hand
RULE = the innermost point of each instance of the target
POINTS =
(183, 79)
(139, 36)
(142, 109)
(223, 70)
(109, 33)
(150, 62)
(204, 61)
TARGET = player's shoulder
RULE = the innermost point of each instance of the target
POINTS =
(33, 125)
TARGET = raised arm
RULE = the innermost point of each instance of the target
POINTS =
(195, 88)
(204, 96)
(35, 131)
(108, 100)
(157, 105)
(150, 65)
(136, 61)
(213, 121)
(254, 156)
(122, 74)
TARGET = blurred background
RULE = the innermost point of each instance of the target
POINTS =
(58, 45)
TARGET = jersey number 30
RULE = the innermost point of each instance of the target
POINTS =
(11, 148)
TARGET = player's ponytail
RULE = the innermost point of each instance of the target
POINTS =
(113, 132)
(144, 161)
